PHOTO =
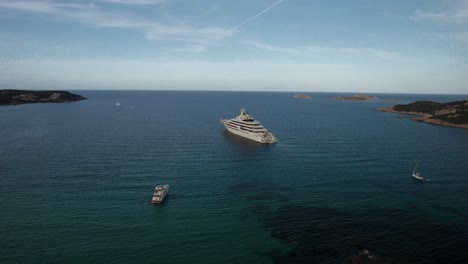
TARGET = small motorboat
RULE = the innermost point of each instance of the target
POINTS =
(160, 192)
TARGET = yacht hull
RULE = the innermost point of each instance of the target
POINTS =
(255, 137)
(159, 201)
(418, 177)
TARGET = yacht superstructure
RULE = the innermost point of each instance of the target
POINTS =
(245, 126)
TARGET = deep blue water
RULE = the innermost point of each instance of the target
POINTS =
(76, 181)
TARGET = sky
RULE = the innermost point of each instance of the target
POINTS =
(388, 46)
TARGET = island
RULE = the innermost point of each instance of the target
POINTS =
(15, 97)
(303, 96)
(357, 97)
(453, 114)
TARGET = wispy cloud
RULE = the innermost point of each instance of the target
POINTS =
(196, 37)
(272, 48)
(457, 15)
(136, 2)
(93, 15)
(257, 15)
(454, 20)
(370, 52)
(459, 36)
(191, 48)
(463, 36)
(43, 7)
(328, 51)
(188, 34)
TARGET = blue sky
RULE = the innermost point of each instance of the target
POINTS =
(411, 46)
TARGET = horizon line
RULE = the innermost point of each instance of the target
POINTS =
(236, 91)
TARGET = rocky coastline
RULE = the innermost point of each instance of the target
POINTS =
(16, 97)
(454, 114)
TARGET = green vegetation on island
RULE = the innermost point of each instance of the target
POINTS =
(454, 112)
(15, 97)
(448, 114)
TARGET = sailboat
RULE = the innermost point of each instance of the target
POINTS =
(416, 173)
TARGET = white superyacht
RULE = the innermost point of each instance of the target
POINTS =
(245, 126)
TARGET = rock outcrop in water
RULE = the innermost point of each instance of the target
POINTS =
(15, 97)
(357, 97)
(303, 96)
(447, 114)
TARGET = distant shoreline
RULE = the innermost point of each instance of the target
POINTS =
(423, 117)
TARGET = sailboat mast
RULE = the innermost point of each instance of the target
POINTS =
(416, 167)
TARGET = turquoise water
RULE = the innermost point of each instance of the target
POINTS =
(77, 179)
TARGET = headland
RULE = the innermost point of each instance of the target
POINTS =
(16, 97)
(453, 114)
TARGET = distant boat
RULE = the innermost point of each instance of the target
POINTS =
(416, 174)
(117, 104)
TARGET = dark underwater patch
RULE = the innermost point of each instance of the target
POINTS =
(328, 235)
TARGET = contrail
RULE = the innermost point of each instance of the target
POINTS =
(257, 15)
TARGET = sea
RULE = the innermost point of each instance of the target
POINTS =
(76, 181)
